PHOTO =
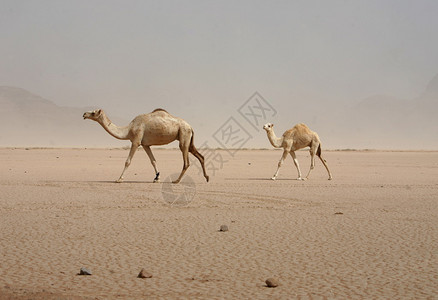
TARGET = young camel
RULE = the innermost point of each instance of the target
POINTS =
(155, 128)
(296, 138)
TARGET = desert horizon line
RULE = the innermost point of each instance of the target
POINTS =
(213, 148)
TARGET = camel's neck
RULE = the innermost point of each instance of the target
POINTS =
(275, 141)
(120, 133)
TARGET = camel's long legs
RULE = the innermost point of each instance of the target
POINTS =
(316, 149)
(134, 147)
(153, 162)
(294, 157)
(312, 164)
(325, 165)
(199, 156)
(185, 152)
(312, 158)
(280, 162)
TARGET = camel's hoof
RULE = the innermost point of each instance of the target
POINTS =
(207, 178)
(175, 181)
(301, 179)
(330, 178)
(157, 177)
(273, 178)
(119, 181)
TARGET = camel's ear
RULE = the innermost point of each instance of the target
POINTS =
(98, 112)
(272, 125)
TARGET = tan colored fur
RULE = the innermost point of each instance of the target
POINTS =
(298, 137)
(155, 128)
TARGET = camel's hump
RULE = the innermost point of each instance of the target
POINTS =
(160, 109)
(299, 128)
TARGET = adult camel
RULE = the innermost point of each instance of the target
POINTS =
(155, 128)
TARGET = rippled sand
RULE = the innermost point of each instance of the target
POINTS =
(371, 232)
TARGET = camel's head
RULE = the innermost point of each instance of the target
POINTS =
(93, 115)
(268, 126)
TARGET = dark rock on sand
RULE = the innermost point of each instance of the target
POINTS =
(84, 271)
(223, 228)
(144, 274)
(271, 282)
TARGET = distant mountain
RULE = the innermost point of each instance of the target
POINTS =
(431, 92)
(387, 122)
(30, 120)
(376, 122)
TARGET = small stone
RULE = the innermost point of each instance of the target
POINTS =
(144, 274)
(339, 213)
(271, 282)
(223, 228)
(84, 271)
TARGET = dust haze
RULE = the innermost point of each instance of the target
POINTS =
(363, 74)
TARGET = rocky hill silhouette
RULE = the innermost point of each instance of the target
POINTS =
(32, 121)
(386, 122)
(376, 122)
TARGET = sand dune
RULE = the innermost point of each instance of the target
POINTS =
(369, 233)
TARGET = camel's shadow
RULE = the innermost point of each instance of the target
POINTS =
(109, 182)
(262, 179)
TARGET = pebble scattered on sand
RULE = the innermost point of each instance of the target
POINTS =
(223, 228)
(144, 274)
(271, 282)
(339, 213)
(84, 271)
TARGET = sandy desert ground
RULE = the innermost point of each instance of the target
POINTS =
(371, 232)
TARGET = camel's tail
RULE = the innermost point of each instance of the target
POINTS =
(318, 152)
(194, 151)
(192, 147)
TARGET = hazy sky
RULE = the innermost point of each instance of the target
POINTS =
(206, 58)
